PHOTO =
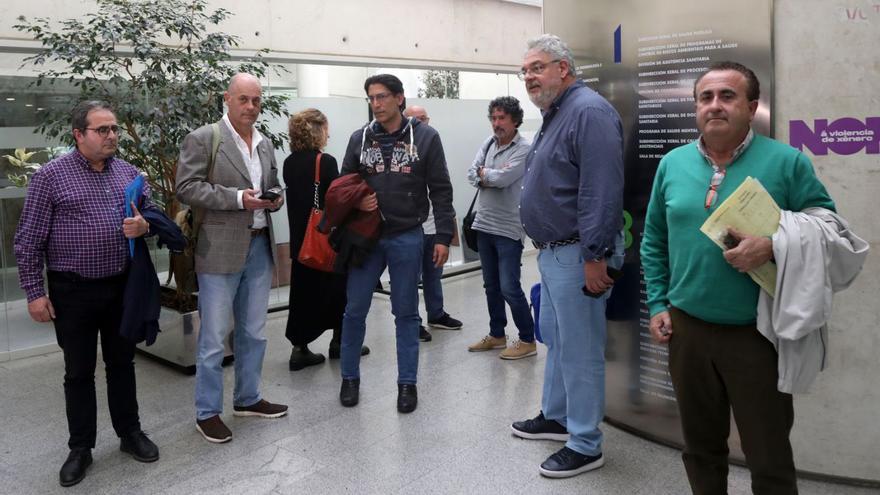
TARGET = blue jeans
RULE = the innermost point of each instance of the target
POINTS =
(500, 259)
(402, 254)
(242, 297)
(573, 328)
(432, 289)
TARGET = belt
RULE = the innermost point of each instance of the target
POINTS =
(552, 244)
(259, 232)
(76, 277)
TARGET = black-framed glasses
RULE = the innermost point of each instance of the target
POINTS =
(535, 69)
(714, 183)
(105, 130)
(378, 97)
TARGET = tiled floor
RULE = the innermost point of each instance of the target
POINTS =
(457, 442)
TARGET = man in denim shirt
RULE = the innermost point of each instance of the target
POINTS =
(571, 206)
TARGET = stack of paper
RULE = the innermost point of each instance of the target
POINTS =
(750, 210)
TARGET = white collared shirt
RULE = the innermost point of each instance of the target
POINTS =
(254, 166)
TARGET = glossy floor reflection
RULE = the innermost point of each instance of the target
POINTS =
(457, 442)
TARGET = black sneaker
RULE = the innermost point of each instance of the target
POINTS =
(567, 462)
(540, 428)
(445, 322)
(424, 336)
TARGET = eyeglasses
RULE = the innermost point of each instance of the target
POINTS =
(104, 130)
(378, 97)
(714, 182)
(536, 69)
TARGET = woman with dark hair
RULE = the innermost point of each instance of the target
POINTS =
(317, 299)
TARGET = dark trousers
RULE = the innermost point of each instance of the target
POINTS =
(718, 367)
(83, 309)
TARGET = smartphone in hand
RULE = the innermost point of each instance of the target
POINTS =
(271, 194)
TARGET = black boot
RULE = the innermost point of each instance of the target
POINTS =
(301, 357)
(349, 393)
(74, 468)
(336, 345)
(139, 446)
(407, 397)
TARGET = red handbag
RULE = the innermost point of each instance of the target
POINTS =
(316, 252)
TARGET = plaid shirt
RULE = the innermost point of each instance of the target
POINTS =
(72, 221)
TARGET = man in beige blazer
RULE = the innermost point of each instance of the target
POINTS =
(235, 254)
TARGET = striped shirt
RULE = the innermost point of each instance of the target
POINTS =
(72, 221)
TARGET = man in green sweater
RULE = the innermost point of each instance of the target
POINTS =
(702, 301)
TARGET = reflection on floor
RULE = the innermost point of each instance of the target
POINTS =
(457, 442)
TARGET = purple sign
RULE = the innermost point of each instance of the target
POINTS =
(844, 136)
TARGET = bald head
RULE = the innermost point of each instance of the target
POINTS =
(418, 113)
(243, 79)
(243, 99)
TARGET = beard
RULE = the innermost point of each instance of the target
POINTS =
(543, 98)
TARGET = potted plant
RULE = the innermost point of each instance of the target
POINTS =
(163, 67)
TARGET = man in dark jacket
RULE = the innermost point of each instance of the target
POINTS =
(403, 161)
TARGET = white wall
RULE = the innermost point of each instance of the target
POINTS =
(484, 34)
(827, 67)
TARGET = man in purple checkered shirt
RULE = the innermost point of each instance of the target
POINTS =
(74, 224)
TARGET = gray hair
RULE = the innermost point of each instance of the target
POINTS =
(79, 116)
(555, 47)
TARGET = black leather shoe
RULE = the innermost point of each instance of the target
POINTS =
(335, 350)
(349, 393)
(407, 397)
(301, 357)
(139, 446)
(74, 468)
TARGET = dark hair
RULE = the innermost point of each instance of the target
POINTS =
(306, 130)
(508, 105)
(80, 113)
(753, 87)
(390, 81)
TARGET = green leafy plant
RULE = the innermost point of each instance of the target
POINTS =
(21, 159)
(158, 64)
(162, 67)
(439, 84)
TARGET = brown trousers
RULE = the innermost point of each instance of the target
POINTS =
(718, 367)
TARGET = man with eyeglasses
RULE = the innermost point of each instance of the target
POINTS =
(402, 160)
(572, 208)
(432, 288)
(701, 300)
(73, 224)
(235, 255)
